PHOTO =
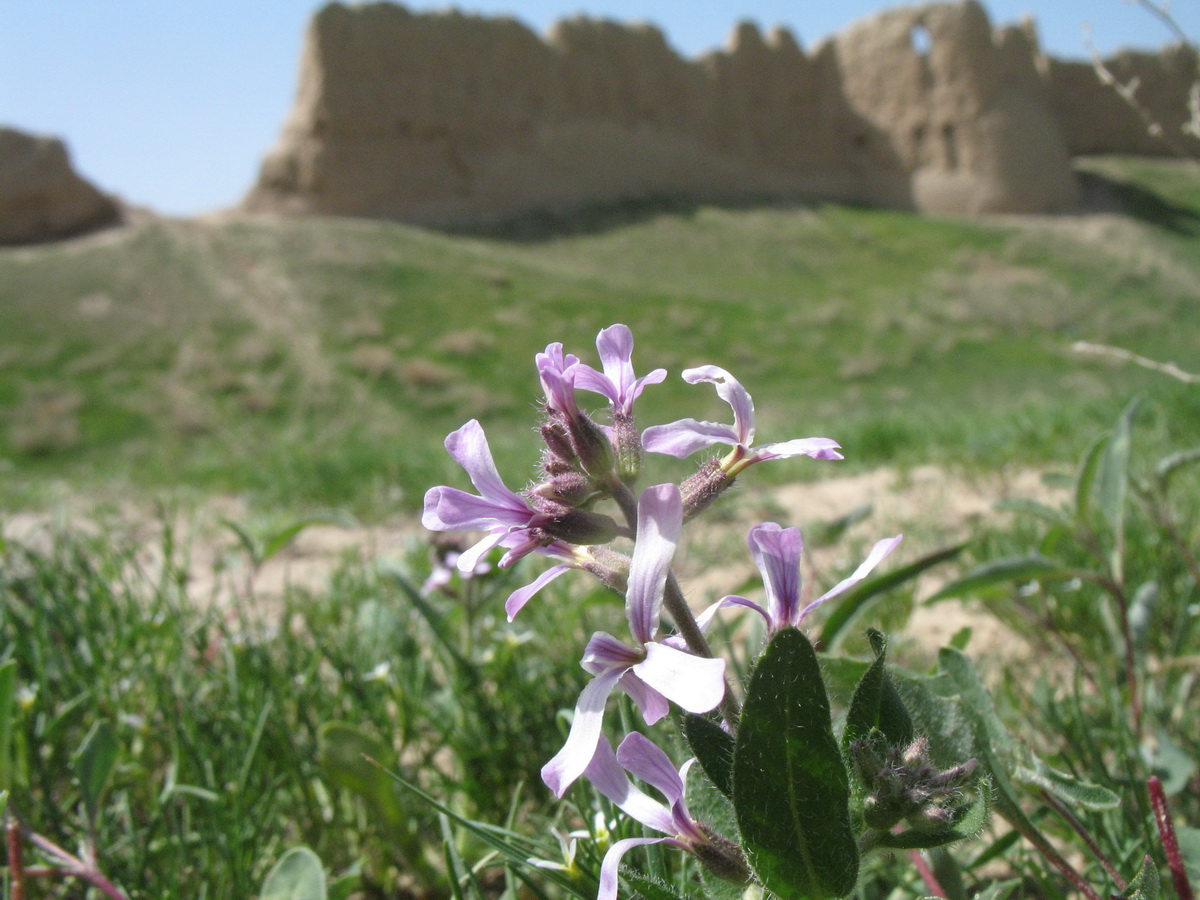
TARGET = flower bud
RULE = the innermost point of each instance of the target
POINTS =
(701, 489)
(722, 857)
(610, 567)
(629, 447)
(568, 488)
(560, 455)
(592, 447)
(577, 526)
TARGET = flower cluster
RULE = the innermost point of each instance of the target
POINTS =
(587, 465)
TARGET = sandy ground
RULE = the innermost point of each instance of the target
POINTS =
(931, 506)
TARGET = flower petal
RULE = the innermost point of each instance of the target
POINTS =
(731, 391)
(612, 860)
(816, 447)
(449, 509)
(660, 520)
(874, 558)
(650, 703)
(469, 558)
(518, 598)
(605, 772)
(644, 759)
(604, 652)
(469, 448)
(683, 438)
(776, 551)
(571, 761)
(695, 683)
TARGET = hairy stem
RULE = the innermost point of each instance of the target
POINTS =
(685, 622)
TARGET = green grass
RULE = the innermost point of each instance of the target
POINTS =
(320, 362)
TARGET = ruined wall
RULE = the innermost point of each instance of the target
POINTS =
(451, 118)
(1094, 118)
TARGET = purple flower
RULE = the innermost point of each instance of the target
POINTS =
(617, 382)
(651, 671)
(502, 513)
(639, 756)
(776, 551)
(685, 437)
(557, 374)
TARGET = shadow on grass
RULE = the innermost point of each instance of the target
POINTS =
(1104, 193)
(538, 226)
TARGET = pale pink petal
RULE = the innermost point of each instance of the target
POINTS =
(610, 780)
(469, 559)
(449, 509)
(874, 558)
(693, 682)
(469, 448)
(644, 759)
(650, 703)
(518, 598)
(612, 860)
(569, 763)
(815, 447)
(731, 391)
(604, 652)
(776, 551)
(660, 520)
(683, 438)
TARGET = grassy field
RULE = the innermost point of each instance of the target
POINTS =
(317, 363)
(184, 725)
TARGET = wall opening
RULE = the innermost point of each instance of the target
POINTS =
(921, 40)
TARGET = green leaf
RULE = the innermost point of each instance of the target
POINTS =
(298, 875)
(1001, 571)
(1032, 508)
(790, 787)
(8, 716)
(999, 890)
(93, 764)
(1065, 787)
(1145, 884)
(650, 888)
(1189, 847)
(713, 747)
(345, 755)
(1085, 481)
(1113, 484)
(876, 706)
(858, 598)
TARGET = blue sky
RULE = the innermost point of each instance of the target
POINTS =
(172, 103)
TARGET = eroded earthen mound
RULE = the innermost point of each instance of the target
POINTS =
(42, 198)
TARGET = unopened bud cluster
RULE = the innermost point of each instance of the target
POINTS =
(903, 785)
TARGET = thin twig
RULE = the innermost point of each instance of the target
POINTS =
(1078, 827)
(1120, 353)
(1052, 856)
(16, 868)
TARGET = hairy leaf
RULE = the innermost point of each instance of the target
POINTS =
(790, 787)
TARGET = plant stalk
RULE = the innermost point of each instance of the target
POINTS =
(685, 622)
(1166, 833)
